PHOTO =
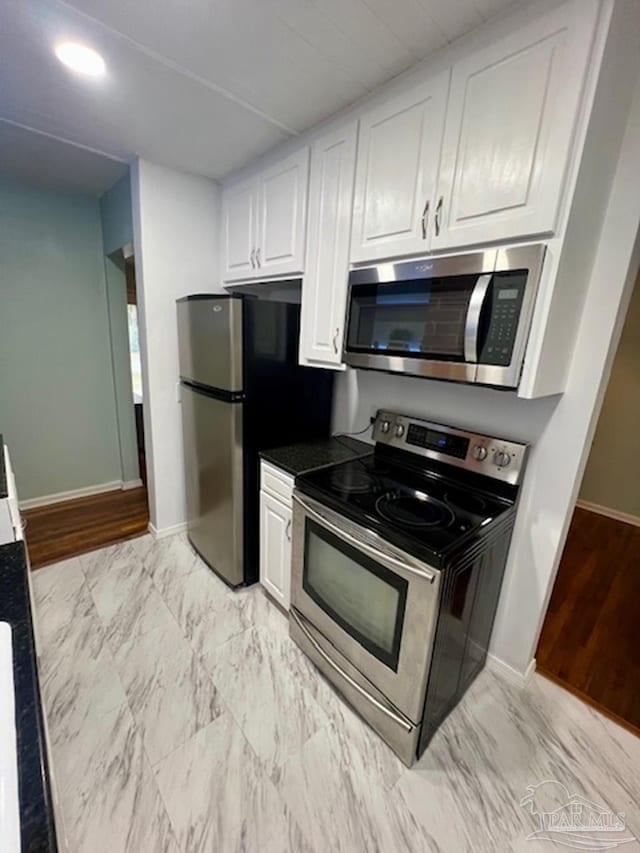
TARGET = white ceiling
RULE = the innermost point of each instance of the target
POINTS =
(50, 164)
(206, 85)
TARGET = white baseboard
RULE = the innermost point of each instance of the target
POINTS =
(514, 676)
(164, 532)
(131, 484)
(610, 513)
(59, 497)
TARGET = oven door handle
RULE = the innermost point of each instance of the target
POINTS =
(381, 557)
(472, 324)
(401, 721)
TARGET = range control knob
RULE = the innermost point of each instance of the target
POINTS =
(501, 458)
(479, 452)
(384, 426)
(400, 430)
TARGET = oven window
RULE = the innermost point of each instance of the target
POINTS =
(423, 318)
(360, 595)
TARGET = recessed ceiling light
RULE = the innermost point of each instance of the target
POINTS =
(78, 57)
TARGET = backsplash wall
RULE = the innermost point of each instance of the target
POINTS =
(359, 393)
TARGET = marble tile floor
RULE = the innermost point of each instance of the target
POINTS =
(182, 719)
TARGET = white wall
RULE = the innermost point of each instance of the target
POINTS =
(176, 225)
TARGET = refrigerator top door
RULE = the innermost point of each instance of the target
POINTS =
(210, 341)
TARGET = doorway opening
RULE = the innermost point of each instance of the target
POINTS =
(589, 641)
(135, 363)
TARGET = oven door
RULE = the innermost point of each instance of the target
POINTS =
(374, 603)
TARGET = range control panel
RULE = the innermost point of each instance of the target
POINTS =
(494, 457)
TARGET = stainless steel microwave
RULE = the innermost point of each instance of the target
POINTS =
(464, 318)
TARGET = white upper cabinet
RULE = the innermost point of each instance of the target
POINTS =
(282, 199)
(397, 170)
(264, 221)
(510, 121)
(333, 163)
(239, 207)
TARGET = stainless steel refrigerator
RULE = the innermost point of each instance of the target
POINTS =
(242, 391)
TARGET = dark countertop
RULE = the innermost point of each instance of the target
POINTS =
(4, 491)
(36, 811)
(297, 458)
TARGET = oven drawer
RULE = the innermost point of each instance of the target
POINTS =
(397, 730)
(377, 605)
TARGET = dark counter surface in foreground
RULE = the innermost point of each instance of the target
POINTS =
(297, 458)
(36, 811)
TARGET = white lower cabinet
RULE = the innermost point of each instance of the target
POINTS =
(324, 292)
(10, 521)
(275, 548)
(276, 513)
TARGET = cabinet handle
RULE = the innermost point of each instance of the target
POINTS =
(335, 340)
(425, 217)
(287, 531)
(258, 258)
(253, 259)
(437, 216)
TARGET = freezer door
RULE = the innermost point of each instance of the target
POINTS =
(210, 341)
(212, 431)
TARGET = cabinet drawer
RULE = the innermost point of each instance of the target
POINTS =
(277, 483)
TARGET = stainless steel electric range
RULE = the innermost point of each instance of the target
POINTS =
(398, 559)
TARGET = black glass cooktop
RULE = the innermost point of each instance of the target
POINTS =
(404, 504)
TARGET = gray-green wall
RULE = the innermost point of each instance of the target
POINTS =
(115, 211)
(57, 403)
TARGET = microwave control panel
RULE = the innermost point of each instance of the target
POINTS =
(503, 315)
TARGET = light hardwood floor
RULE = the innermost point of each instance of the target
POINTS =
(64, 530)
(589, 642)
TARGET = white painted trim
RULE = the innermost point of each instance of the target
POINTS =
(59, 497)
(131, 484)
(167, 531)
(610, 513)
(513, 676)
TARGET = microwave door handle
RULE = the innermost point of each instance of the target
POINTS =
(363, 546)
(474, 311)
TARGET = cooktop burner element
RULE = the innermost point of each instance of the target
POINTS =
(466, 501)
(414, 510)
(353, 480)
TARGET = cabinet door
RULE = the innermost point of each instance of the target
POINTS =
(275, 548)
(396, 174)
(324, 293)
(239, 231)
(282, 198)
(510, 121)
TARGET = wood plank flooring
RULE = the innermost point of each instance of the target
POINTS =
(64, 530)
(589, 640)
